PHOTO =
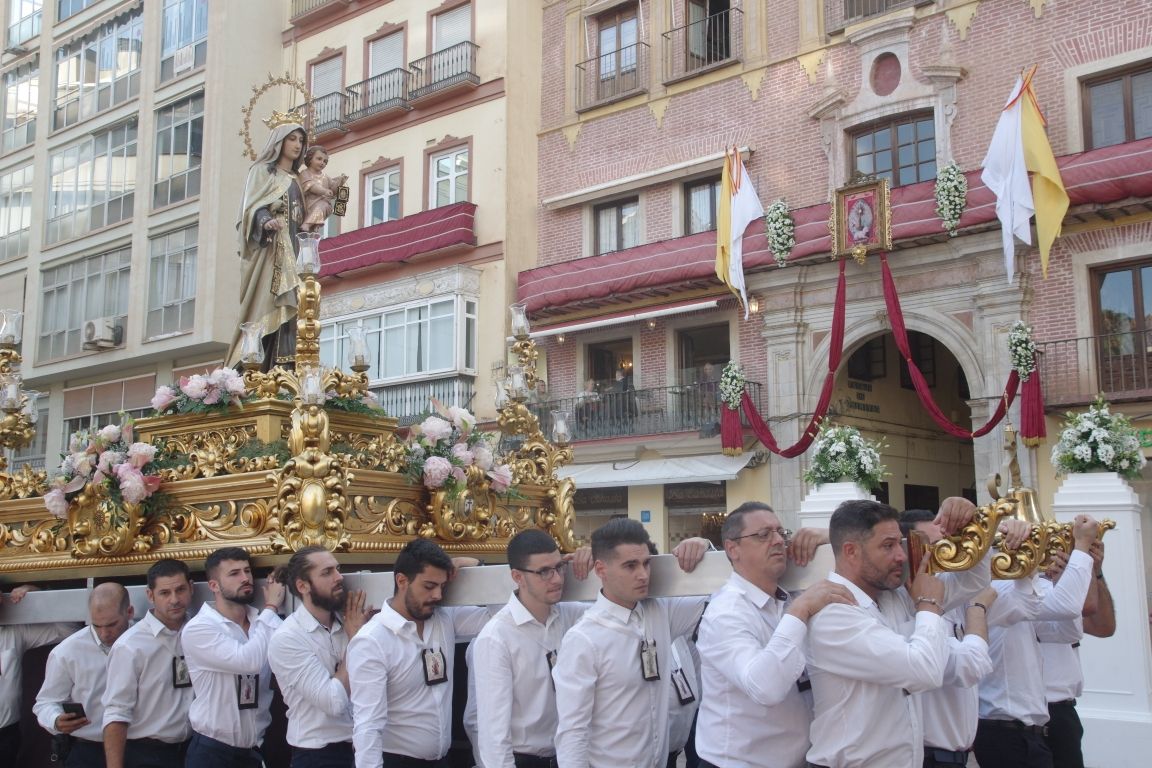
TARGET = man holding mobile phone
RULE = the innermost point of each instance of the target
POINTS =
(68, 704)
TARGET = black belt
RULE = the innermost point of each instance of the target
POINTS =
(393, 760)
(1016, 725)
(336, 746)
(947, 756)
(1065, 703)
(159, 744)
(533, 761)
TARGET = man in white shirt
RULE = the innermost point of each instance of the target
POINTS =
(226, 645)
(1013, 706)
(15, 640)
(751, 644)
(75, 675)
(147, 693)
(614, 666)
(514, 655)
(951, 711)
(308, 656)
(867, 660)
(400, 665)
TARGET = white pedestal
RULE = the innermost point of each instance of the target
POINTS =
(817, 508)
(1116, 707)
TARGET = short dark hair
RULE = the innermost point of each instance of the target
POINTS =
(531, 541)
(212, 564)
(165, 568)
(419, 554)
(909, 518)
(299, 567)
(620, 530)
(734, 523)
(854, 520)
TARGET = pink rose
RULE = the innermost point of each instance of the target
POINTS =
(55, 502)
(482, 455)
(108, 462)
(131, 483)
(462, 455)
(140, 454)
(83, 463)
(195, 387)
(436, 471)
(163, 398)
(110, 433)
(501, 478)
(435, 429)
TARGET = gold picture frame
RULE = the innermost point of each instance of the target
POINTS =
(861, 220)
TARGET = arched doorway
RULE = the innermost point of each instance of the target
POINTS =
(874, 393)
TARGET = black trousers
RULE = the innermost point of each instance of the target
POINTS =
(944, 758)
(10, 741)
(1000, 745)
(150, 753)
(1064, 734)
(392, 760)
(338, 755)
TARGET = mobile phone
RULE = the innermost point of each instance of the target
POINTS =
(74, 708)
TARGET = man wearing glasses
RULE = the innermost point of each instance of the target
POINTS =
(751, 646)
(514, 655)
(615, 666)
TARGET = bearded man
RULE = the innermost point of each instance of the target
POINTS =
(308, 654)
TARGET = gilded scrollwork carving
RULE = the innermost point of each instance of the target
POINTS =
(23, 483)
(101, 527)
(372, 516)
(224, 521)
(35, 537)
(465, 518)
(1023, 561)
(968, 547)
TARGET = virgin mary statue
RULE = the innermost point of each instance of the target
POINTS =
(270, 216)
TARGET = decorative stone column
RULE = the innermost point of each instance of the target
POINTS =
(1116, 707)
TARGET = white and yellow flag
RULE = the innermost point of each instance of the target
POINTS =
(1019, 145)
(737, 207)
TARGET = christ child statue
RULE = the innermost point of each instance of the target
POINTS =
(319, 189)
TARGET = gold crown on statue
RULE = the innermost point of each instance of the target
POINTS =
(293, 116)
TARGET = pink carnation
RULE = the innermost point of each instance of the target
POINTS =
(435, 429)
(140, 454)
(482, 455)
(131, 483)
(436, 471)
(461, 453)
(163, 398)
(83, 463)
(501, 478)
(110, 433)
(56, 503)
(109, 460)
(195, 387)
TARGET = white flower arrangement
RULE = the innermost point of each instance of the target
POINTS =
(842, 453)
(732, 383)
(951, 196)
(440, 450)
(1098, 439)
(781, 231)
(1022, 349)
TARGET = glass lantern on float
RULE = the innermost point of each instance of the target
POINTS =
(312, 386)
(520, 326)
(10, 395)
(30, 412)
(517, 384)
(359, 359)
(308, 259)
(11, 321)
(252, 345)
(561, 427)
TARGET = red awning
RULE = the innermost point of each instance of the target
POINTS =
(399, 240)
(1099, 176)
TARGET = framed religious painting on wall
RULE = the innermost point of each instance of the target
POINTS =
(861, 220)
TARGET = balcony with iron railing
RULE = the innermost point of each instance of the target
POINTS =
(410, 402)
(612, 76)
(328, 113)
(1074, 371)
(378, 96)
(703, 45)
(652, 411)
(840, 13)
(311, 10)
(444, 71)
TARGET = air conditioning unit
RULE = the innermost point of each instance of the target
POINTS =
(102, 333)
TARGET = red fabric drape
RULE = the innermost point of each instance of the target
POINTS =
(896, 318)
(730, 435)
(1032, 427)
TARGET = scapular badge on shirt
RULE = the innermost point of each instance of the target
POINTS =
(180, 676)
(649, 664)
(683, 687)
(247, 691)
(435, 670)
(550, 657)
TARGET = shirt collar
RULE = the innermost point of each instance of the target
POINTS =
(617, 612)
(210, 612)
(862, 597)
(155, 627)
(755, 595)
(309, 624)
(397, 623)
(522, 615)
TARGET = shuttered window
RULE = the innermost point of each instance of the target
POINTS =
(386, 54)
(451, 27)
(327, 76)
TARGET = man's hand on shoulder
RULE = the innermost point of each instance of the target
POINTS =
(819, 596)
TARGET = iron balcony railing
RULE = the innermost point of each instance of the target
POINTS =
(378, 94)
(1074, 371)
(612, 75)
(410, 402)
(658, 410)
(702, 44)
(443, 69)
(840, 13)
(305, 7)
(328, 112)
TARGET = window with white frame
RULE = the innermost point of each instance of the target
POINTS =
(15, 212)
(616, 225)
(422, 338)
(68, 8)
(185, 43)
(98, 405)
(172, 283)
(99, 70)
(382, 197)
(700, 201)
(451, 27)
(386, 54)
(327, 91)
(179, 146)
(79, 291)
(23, 20)
(448, 174)
(21, 90)
(387, 78)
(93, 183)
